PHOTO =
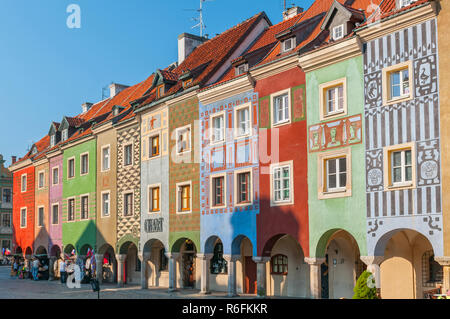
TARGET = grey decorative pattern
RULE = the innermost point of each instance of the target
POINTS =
(428, 162)
(426, 76)
(374, 169)
(373, 89)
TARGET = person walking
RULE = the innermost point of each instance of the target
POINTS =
(35, 268)
(62, 271)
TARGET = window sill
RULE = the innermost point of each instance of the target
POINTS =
(285, 203)
(399, 186)
(281, 123)
(219, 207)
(337, 191)
(398, 100)
(183, 212)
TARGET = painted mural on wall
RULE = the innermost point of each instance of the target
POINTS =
(415, 120)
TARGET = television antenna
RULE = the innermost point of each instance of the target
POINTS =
(201, 25)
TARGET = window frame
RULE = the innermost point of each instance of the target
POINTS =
(236, 121)
(386, 79)
(38, 216)
(241, 69)
(281, 165)
(22, 183)
(81, 206)
(41, 173)
(236, 187)
(338, 27)
(103, 215)
(150, 209)
(9, 217)
(81, 164)
(177, 130)
(22, 209)
(212, 190)
(74, 209)
(387, 166)
(68, 167)
(104, 147)
(212, 129)
(322, 191)
(2, 200)
(179, 200)
(65, 135)
(125, 212)
(53, 216)
(284, 265)
(56, 168)
(323, 100)
(275, 95)
(150, 144)
(124, 154)
(292, 40)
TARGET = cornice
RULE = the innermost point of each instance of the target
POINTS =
(275, 67)
(182, 97)
(41, 161)
(102, 128)
(236, 86)
(54, 153)
(77, 142)
(17, 166)
(331, 54)
(130, 122)
(398, 22)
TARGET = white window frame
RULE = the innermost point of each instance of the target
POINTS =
(292, 41)
(178, 199)
(74, 209)
(386, 79)
(56, 168)
(211, 190)
(10, 193)
(150, 198)
(65, 135)
(39, 179)
(53, 219)
(109, 204)
(213, 130)
(387, 166)
(43, 216)
(104, 147)
(53, 140)
(236, 187)
(124, 154)
(81, 206)
(190, 139)
(81, 164)
(68, 167)
(22, 209)
(281, 165)
(236, 121)
(22, 183)
(132, 203)
(323, 99)
(336, 29)
(322, 187)
(150, 146)
(241, 69)
(338, 188)
(272, 107)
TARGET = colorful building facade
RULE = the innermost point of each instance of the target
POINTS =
(6, 207)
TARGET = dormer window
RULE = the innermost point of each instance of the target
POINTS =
(65, 135)
(338, 32)
(34, 150)
(52, 140)
(288, 44)
(405, 3)
(160, 91)
(241, 69)
(187, 82)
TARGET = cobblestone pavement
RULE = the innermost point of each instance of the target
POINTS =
(14, 288)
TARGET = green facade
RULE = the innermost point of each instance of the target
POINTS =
(80, 233)
(326, 216)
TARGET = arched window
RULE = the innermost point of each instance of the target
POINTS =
(218, 264)
(431, 270)
(279, 265)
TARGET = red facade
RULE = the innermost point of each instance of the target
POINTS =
(24, 237)
(274, 222)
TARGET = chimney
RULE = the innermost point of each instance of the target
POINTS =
(291, 12)
(13, 159)
(115, 88)
(86, 106)
(186, 44)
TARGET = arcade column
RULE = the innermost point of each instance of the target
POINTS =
(315, 276)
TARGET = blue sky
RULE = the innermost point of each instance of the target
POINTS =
(48, 70)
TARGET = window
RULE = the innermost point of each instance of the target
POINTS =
(105, 158)
(154, 199)
(128, 204)
(218, 263)
(399, 165)
(184, 197)
(71, 209)
(163, 260)
(55, 176)
(105, 204)
(338, 32)
(241, 69)
(23, 186)
(218, 191)
(432, 271)
(6, 220)
(333, 99)
(279, 265)
(288, 44)
(334, 173)
(41, 216)
(154, 146)
(243, 123)
(6, 195)
(55, 214)
(65, 134)
(397, 83)
(184, 139)
(281, 108)
(281, 177)
(218, 128)
(71, 168)
(243, 188)
(160, 91)
(41, 180)
(23, 218)
(52, 140)
(84, 164)
(128, 154)
(187, 82)
(84, 207)
(405, 3)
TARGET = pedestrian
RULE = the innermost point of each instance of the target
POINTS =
(62, 271)
(35, 268)
(14, 267)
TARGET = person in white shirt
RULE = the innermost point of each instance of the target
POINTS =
(62, 271)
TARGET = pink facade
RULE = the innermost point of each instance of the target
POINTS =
(55, 198)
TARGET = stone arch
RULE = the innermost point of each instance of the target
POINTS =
(124, 243)
(180, 243)
(55, 251)
(28, 251)
(69, 248)
(324, 240)
(18, 250)
(104, 248)
(208, 247)
(84, 249)
(155, 261)
(41, 251)
(236, 244)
